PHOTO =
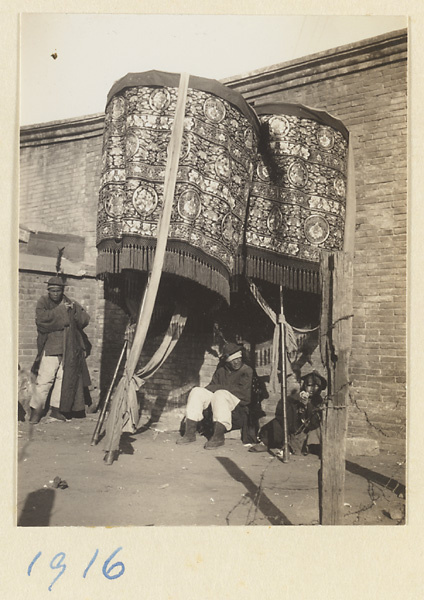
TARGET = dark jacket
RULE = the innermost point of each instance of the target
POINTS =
(238, 383)
(60, 333)
(299, 415)
(51, 320)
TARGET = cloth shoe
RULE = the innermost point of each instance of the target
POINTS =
(56, 414)
(258, 448)
(190, 432)
(218, 438)
(36, 414)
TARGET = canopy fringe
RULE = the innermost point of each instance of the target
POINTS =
(177, 262)
(299, 276)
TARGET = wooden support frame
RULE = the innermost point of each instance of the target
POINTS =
(336, 272)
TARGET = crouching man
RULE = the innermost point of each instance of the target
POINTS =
(304, 410)
(231, 387)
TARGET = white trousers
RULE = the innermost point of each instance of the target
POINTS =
(222, 401)
(50, 374)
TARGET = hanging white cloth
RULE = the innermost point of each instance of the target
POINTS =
(124, 413)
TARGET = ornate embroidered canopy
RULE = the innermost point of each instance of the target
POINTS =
(214, 178)
(259, 192)
(297, 200)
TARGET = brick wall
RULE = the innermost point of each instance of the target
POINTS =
(191, 363)
(365, 86)
(60, 178)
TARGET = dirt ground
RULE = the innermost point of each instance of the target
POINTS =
(155, 482)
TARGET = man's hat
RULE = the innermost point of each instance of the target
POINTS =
(55, 281)
(231, 351)
(317, 378)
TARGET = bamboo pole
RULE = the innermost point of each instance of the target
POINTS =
(283, 378)
(163, 228)
(145, 315)
(102, 414)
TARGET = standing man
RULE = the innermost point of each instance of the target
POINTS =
(231, 387)
(60, 360)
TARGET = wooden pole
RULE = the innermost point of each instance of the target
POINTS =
(152, 286)
(283, 378)
(335, 344)
(275, 345)
(102, 414)
(163, 228)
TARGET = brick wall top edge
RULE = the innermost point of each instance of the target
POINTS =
(92, 125)
(62, 131)
(385, 45)
(256, 92)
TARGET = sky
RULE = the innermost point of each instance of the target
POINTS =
(95, 50)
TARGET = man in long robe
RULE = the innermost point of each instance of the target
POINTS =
(60, 362)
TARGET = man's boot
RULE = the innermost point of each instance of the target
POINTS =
(36, 414)
(56, 414)
(218, 438)
(190, 432)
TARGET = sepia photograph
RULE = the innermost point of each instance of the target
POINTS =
(212, 271)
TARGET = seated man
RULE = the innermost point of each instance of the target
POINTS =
(231, 387)
(303, 418)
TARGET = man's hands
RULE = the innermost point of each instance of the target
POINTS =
(304, 397)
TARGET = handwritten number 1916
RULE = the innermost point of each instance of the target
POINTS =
(109, 571)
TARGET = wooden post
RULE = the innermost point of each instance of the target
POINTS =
(335, 344)
(283, 378)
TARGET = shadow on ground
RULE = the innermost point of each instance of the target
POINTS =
(37, 509)
(387, 482)
(256, 495)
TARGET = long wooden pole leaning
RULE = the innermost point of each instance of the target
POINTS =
(174, 150)
(144, 318)
(281, 320)
(102, 414)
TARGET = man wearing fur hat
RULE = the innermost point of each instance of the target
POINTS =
(231, 387)
(304, 409)
(60, 361)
